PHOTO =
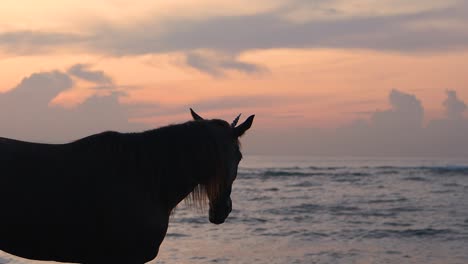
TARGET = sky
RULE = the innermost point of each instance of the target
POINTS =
(324, 77)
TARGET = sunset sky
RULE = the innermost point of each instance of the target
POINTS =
(325, 77)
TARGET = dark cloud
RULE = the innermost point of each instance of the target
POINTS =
(454, 107)
(98, 77)
(397, 131)
(26, 113)
(5, 260)
(406, 111)
(234, 34)
(216, 65)
(34, 42)
(37, 89)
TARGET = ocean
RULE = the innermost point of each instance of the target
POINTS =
(330, 210)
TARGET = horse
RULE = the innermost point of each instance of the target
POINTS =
(108, 197)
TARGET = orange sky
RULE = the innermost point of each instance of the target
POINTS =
(309, 79)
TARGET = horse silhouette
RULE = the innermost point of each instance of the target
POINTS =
(107, 198)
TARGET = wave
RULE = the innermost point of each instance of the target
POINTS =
(347, 210)
(289, 173)
(396, 200)
(177, 235)
(413, 172)
(407, 233)
(415, 178)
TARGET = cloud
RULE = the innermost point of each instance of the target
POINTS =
(235, 34)
(454, 107)
(379, 27)
(36, 42)
(397, 131)
(26, 112)
(217, 64)
(4, 260)
(82, 71)
(306, 10)
(37, 89)
(394, 131)
(406, 111)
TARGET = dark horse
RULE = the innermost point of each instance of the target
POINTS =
(107, 198)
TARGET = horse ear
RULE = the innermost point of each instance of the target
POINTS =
(234, 123)
(240, 130)
(195, 115)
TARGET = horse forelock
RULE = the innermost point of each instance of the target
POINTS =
(215, 159)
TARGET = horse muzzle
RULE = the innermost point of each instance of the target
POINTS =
(219, 213)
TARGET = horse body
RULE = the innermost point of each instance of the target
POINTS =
(108, 197)
(64, 206)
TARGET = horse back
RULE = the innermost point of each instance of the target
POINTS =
(63, 202)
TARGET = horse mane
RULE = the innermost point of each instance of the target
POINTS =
(164, 155)
(196, 146)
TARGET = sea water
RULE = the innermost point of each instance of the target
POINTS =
(330, 210)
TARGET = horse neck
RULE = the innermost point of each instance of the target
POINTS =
(182, 162)
(177, 188)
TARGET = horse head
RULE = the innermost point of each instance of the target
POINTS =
(219, 194)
